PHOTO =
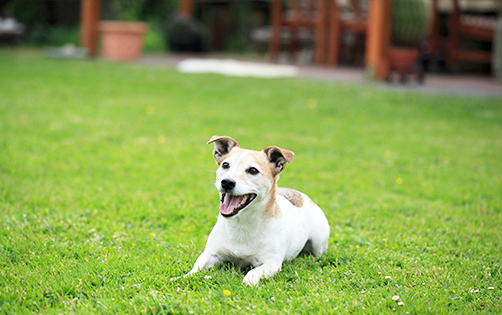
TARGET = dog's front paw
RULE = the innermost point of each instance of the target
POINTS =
(253, 277)
(184, 276)
(263, 271)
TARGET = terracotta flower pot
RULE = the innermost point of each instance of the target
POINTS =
(403, 59)
(404, 63)
(122, 41)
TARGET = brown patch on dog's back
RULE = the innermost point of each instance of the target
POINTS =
(291, 195)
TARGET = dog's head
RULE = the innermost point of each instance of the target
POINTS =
(245, 177)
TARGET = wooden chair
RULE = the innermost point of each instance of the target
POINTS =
(477, 28)
(354, 21)
(310, 14)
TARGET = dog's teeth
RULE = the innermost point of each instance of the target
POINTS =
(243, 201)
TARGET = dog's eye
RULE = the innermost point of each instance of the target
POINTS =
(225, 165)
(253, 171)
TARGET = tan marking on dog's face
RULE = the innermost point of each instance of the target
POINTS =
(237, 165)
(263, 164)
(291, 195)
(241, 160)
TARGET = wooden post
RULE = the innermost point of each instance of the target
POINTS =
(454, 26)
(186, 7)
(275, 39)
(320, 32)
(434, 30)
(89, 22)
(335, 32)
(378, 38)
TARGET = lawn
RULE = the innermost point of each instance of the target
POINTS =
(106, 192)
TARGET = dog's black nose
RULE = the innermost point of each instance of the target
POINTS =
(227, 184)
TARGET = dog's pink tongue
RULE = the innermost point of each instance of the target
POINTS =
(230, 203)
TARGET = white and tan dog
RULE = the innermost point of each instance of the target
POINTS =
(260, 225)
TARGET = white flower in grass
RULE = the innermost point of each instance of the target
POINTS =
(473, 291)
(400, 303)
(395, 298)
(491, 288)
(388, 277)
(208, 277)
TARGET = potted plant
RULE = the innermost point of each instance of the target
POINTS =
(185, 34)
(122, 39)
(410, 26)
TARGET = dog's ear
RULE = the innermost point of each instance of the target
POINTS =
(278, 157)
(222, 146)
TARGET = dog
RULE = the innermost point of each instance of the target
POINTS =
(260, 225)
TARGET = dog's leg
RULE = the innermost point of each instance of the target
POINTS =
(206, 260)
(264, 271)
(319, 236)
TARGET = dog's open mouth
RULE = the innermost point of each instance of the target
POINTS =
(231, 205)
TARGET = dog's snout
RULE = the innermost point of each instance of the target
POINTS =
(227, 184)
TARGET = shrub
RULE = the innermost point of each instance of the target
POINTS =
(410, 22)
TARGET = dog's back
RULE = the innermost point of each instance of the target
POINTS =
(311, 215)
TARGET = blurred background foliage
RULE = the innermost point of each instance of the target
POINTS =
(56, 22)
(410, 22)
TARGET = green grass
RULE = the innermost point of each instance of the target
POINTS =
(106, 192)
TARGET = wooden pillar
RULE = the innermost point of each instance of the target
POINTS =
(275, 39)
(453, 29)
(335, 32)
(320, 33)
(186, 7)
(378, 38)
(434, 31)
(89, 23)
